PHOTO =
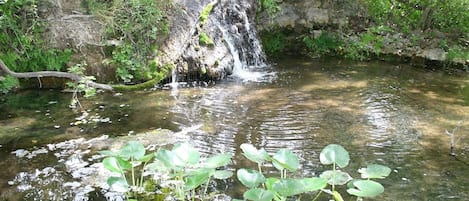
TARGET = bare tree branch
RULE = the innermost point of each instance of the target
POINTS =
(40, 74)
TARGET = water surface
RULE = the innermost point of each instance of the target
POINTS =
(389, 114)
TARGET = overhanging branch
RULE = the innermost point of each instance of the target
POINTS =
(40, 74)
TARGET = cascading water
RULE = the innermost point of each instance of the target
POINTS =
(240, 37)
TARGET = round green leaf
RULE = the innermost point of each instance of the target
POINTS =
(116, 164)
(132, 149)
(258, 194)
(286, 159)
(366, 188)
(118, 184)
(167, 158)
(334, 153)
(218, 161)
(197, 178)
(222, 174)
(375, 171)
(146, 158)
(250, 178)
(269, 182)
(336, 177)
(290, 187)
(186, 154)
(253, 154)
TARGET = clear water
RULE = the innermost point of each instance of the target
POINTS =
(381, 113)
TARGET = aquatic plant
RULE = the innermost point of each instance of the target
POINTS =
(280, 188)
(183, 170)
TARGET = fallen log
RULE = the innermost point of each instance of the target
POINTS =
(39, 74)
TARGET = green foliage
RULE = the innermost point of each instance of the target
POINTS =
(22, 47)
(206, 12)
(204, 39)
(261, 188)
(458, 53)
(7, 83)
(140, 26)
(269, 6)
(80, 86)
(274, 42)
(182, 167)
(450, 16)
(325, 44)
(124, 162)
(367, 45)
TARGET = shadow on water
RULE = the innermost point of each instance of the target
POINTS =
(381, 113)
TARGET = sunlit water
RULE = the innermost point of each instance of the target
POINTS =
(393, 115)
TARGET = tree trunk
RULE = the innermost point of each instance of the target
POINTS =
(40, 74)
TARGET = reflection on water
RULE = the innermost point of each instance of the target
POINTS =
(381, 113)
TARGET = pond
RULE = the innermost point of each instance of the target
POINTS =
(391, 114)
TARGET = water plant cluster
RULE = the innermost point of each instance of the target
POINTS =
(182, 174)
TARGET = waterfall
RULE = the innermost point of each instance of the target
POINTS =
(240, 36)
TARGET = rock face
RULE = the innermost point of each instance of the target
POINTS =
(232, 39)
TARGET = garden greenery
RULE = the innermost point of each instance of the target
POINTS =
(139, 26)
(181, 173)
(21, 45)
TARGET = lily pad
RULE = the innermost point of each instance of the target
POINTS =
(286, 159)
(253, 154)
(334, 153)
(186, 154)
(290, 187)
(118, 184)
(366, 188)
(116, 164)
(218, 161)
(375, 171)
(222, 174)
(258, 194)
(336, 177)
(132, 149)
(250, 178)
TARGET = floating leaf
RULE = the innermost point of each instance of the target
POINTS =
(118, 184)
(334, 153)
(269, 182)
(186, 154)
(250, 178)
(197, 178)
(286, 159)
(375, 171)
(336, 177)
(366, 188)
(253, 154)
(167, 158)
(132, 149)
(116, 164)
(146, 158)
(290, 187)
(222, 174)
(258, 194)
(218, 161)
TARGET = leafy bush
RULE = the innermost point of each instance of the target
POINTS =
(140, 26)
(7, 83)
(325, 44)
(274, 42)
(22, 47)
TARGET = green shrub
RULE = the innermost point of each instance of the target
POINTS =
(7, 83)
(325, 44)
(274, 42)
(22, 47)
(141, 26)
